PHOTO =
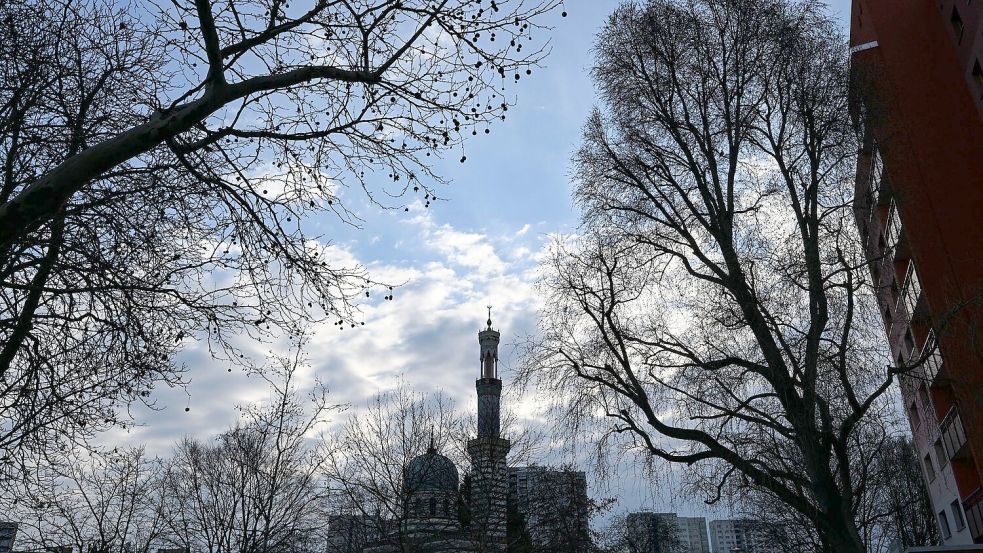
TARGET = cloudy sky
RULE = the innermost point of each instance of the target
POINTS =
(479, 247)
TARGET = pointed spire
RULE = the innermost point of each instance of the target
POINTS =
(489, 317)
(432, 448)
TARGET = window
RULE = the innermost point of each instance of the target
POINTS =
(944, 523)
(916, 421)
(929, 468)
(447, 507)
(433, 506)
(957, 515)
(940, 453)
(957, 24)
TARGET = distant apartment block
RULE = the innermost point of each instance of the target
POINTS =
(8, 532)
(346, 533)
(666, 533)
(554, 504)
(743, 536)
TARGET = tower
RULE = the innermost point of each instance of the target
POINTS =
(489, 480)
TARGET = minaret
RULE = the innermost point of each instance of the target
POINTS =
(489, 479)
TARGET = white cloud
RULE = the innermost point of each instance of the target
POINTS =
(427, 333)
(467, 249)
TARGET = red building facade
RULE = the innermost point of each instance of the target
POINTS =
(918, 83)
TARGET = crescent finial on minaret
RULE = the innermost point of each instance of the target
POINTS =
(489, 317)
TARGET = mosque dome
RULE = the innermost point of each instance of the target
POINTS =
(430, 472)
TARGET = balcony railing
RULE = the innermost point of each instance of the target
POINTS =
(892, 230)
(873, 191)
(953, 433)
(910, 292)
(933, 363)
(874, 178)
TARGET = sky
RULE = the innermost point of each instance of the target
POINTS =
(479, 247)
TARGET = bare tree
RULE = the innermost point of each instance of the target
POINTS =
(904, 505)
(97, 504)
(717, 308)
(370, 452)
(159, 159)
(257, 488)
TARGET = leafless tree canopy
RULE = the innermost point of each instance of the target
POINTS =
(159, 159)
(716, 306)
(903, 502)
(371, 451)
(97, 503)
(257, 487)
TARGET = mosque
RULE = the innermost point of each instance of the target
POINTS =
(431, 499)
(444, 513)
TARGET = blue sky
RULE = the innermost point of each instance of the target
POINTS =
(478, 247)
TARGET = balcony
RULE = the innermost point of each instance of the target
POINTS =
(874, 178)
(892, 229)
(973, 506)
(953, 434)
(933, 363)
(911, 296)
(869, 197)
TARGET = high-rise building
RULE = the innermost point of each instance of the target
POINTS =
(743, 536)
(553, 504)
(918, 90)
(666, 533)
(693, 534)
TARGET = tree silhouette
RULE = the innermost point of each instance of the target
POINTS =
(106, 503)
(257, 487)
(159, 161)
(717, 308)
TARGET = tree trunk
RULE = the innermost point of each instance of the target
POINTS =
(841, 535)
